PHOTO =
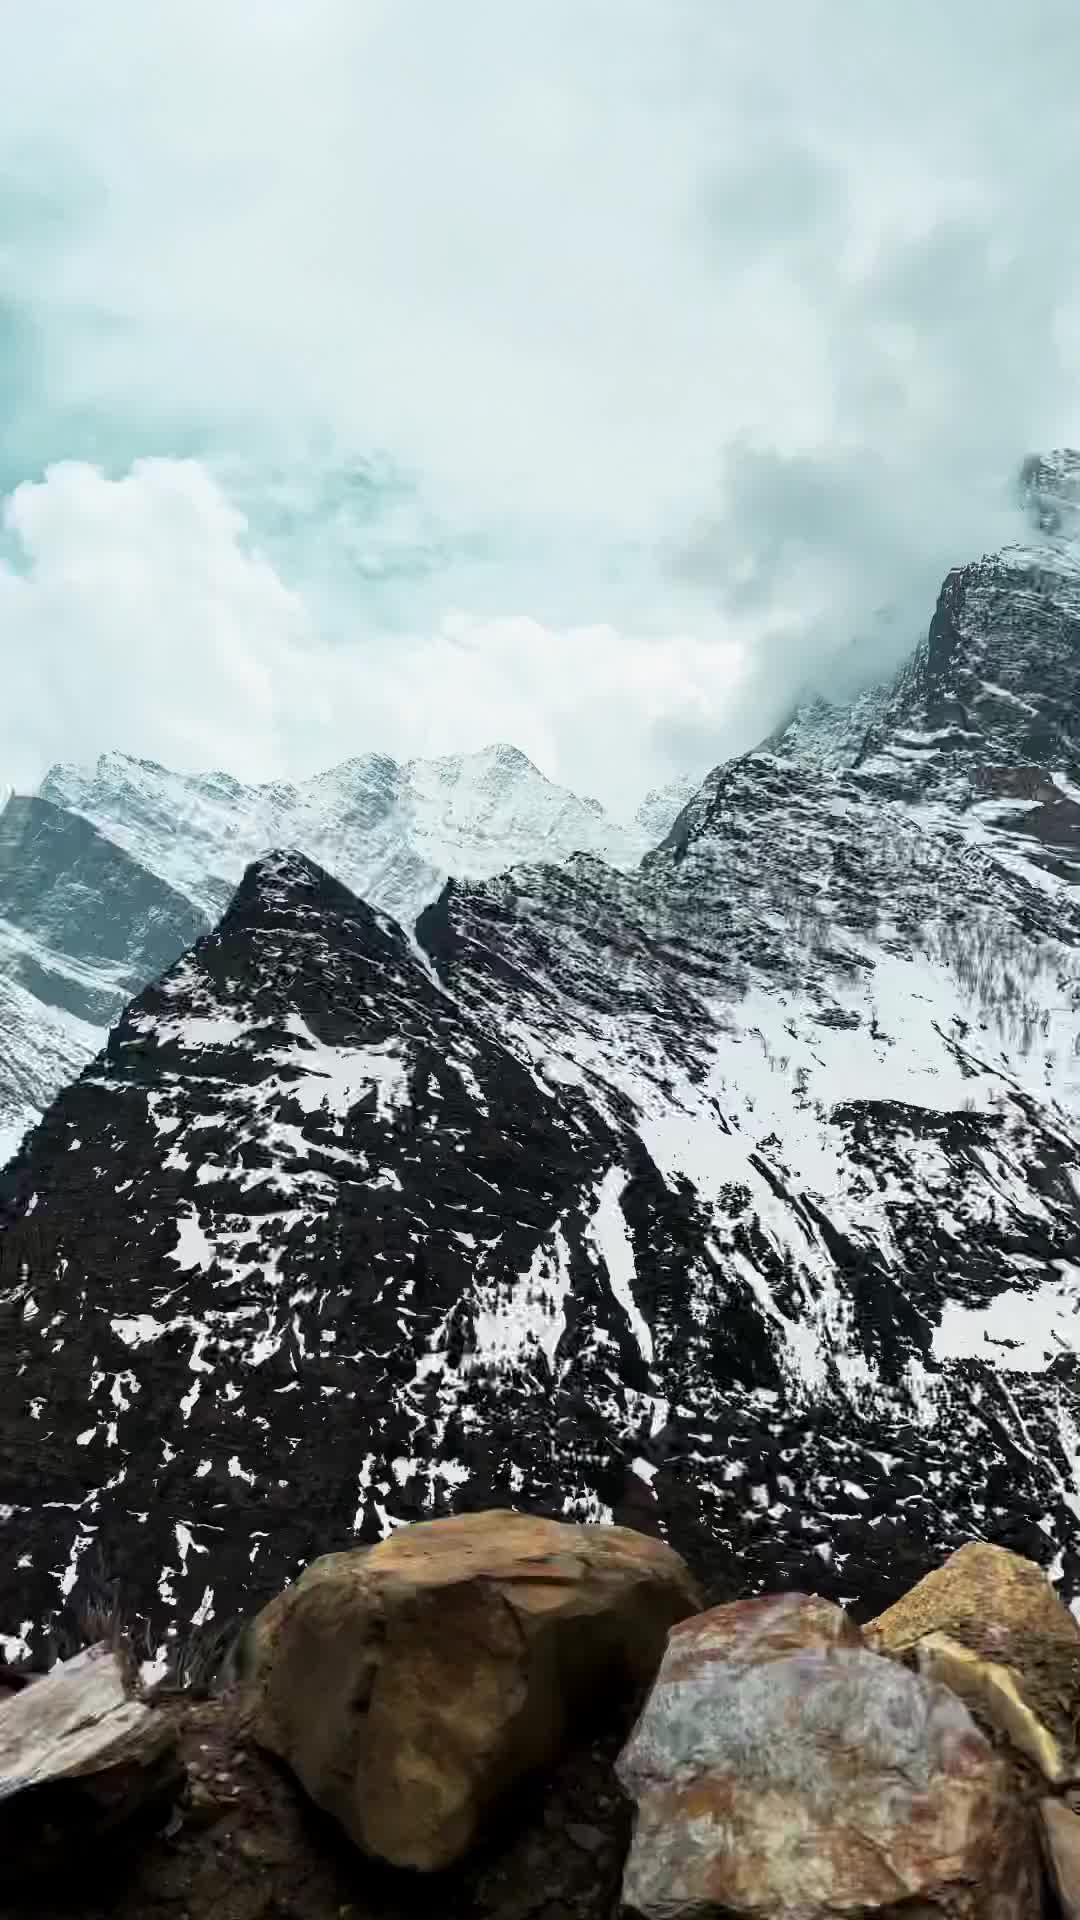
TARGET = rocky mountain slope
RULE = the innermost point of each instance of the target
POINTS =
(111, 871)
(736, 1196)
(992, 694)
(83, 926)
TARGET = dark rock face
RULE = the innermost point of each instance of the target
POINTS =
(349, 1129)
(735, 1198)
(1002, 664)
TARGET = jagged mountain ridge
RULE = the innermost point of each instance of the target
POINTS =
(392, 831)
(736, 1195)
(111, 871)
(993, 692)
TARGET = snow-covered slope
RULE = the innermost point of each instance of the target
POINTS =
(660, 808)
(735, 1196)
(111, 871)
(82, 927)
(393, 832)
(41, 1048)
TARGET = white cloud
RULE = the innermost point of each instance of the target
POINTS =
(136, 611)
(139, 610)
(682, 318)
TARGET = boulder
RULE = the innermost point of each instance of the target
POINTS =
(79, 1757)
(410, 1684)
(782, 1770)
(982, 1595)
(989, 1625)
(1061, 1845)
(1008, 1700)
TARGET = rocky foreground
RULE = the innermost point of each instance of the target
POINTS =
(509, 1717)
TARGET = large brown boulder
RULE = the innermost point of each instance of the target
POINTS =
(80, 1757)
(410, 1684)
(783, 1771)
(989, 1625)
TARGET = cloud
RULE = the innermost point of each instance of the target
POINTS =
(134, 606)
(717, 334)
(139, 609)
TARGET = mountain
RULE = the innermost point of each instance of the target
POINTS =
(111, 871)
(734, 1196)
(994, 688)
(82, 927)
(393, 832)
(661, 808)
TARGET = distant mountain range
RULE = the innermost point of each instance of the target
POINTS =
(109, 872)
(733, 1194)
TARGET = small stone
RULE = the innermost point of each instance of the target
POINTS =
(995, 1693)
(1061, 1846)
(590, 1839)
(204, 1804)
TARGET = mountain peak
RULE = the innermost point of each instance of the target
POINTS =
(177, 850)
(499, 757)
(505, 754)
(280, 872)
(1049, 486)
(287, 880)
(996, 680)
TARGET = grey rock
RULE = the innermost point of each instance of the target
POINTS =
(79, 1758)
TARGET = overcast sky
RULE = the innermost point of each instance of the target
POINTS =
(409, 374)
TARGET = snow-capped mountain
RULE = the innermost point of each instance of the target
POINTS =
(393, 832)
(111, 871)
(737, 1195)
(996, 682)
